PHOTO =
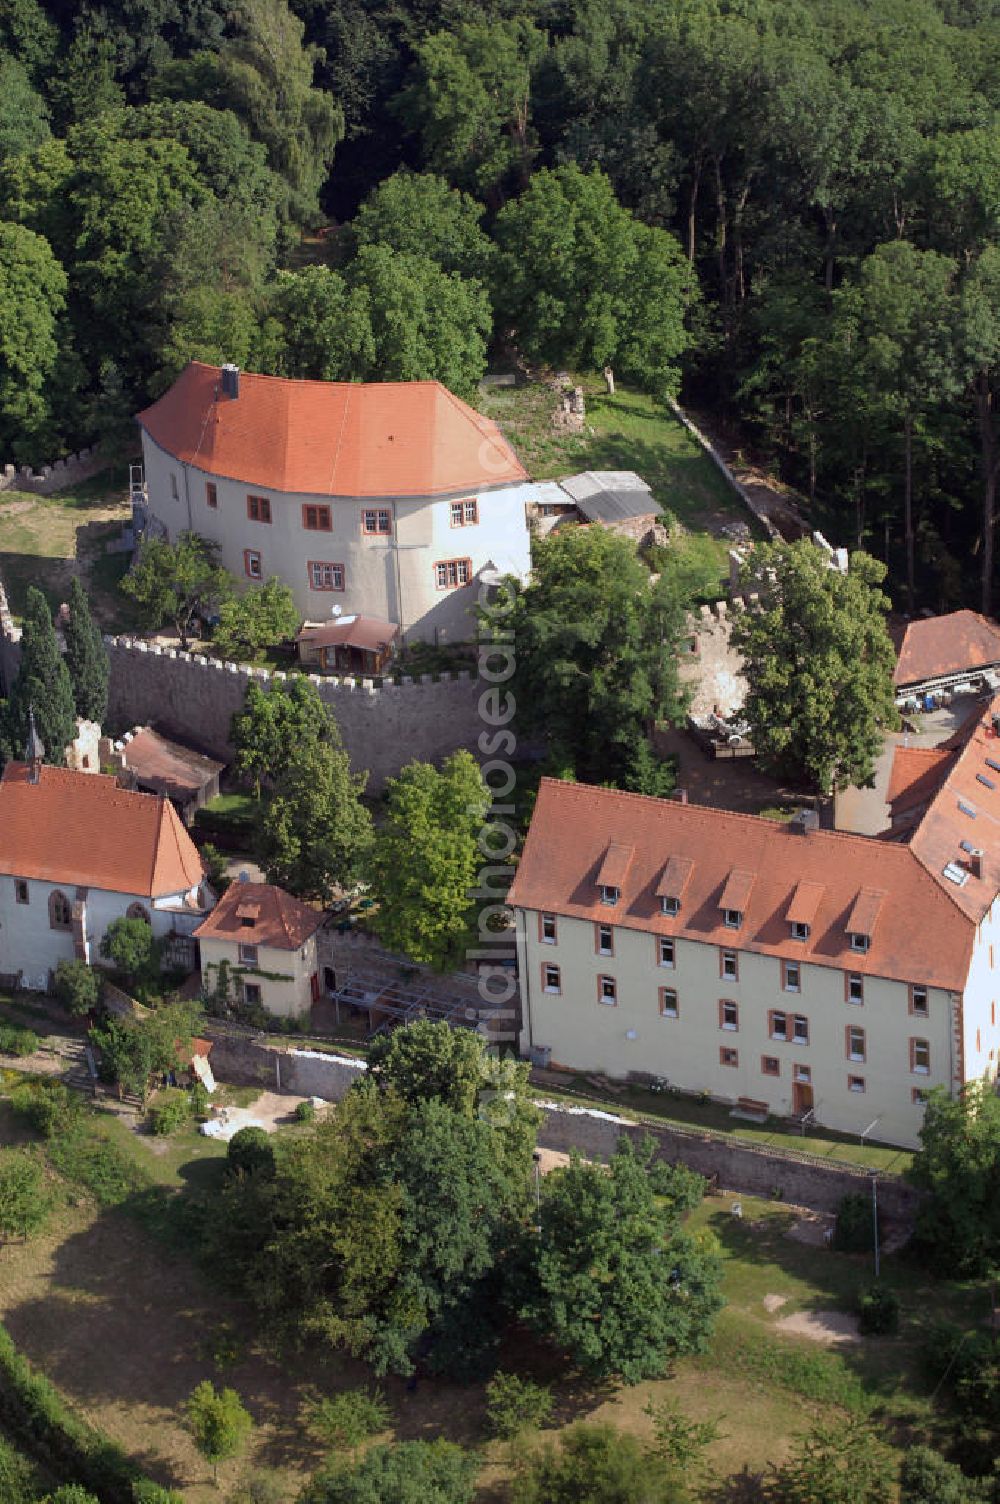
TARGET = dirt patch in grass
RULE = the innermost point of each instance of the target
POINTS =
(827, 1327)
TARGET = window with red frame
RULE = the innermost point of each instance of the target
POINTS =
(464, 513)
(252, 565)
(451, 573)
(325, 576)
(259, 508)
(376, 520)
(316, 519)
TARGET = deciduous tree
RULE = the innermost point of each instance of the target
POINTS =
(425, 858)
(413, 1472)
(958, 1224)
(593, 1464)
(219, 1423)
(262, 616)
(272, 722)
(77, 987)
(615, 1282)
(175, 582)
(32, 303)
(24, 1200)
(818, 663)
(419, 214)
(315, 832)
(324, 325)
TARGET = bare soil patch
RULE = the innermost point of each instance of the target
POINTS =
(775, 1302)
(826, 1327)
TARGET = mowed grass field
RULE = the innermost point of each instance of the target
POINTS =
(46, 540)
(111, 1308)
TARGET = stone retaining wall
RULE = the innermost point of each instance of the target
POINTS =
(250, 1061)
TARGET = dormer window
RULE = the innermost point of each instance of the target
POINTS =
(735, 897)
(670, 888)
(800, 931)
(671, 906)
(613, 871)
(862, 919)
(859, 942)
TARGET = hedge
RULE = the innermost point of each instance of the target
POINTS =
(35, 1415)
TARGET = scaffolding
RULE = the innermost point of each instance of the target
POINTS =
(389, 1004)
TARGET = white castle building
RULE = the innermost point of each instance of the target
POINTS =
(393, 500)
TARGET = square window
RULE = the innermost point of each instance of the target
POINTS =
(918, 1001)
(918, 1097)
(669, 1006)
(800, 931)
(791, 976)
(551, 981)
(20, 890)
(211, 494)
(607, 990)
(464, 513)
(605, 940)
(729, 1057)
(248, 955)
(252, 565)
(859, 942)
(801, 1030)
(259, 508)
(665, 951)
(729, 968)
(609, 896)
(323, 576)
(779, 1025)
(252, 993)
(729, 1015)
(376, 520)
(803, 1074)
(855, 1083)
(451, 573)
(770, 1065)
(548, 929)
(732, 918)
(670, 906)
(855, 988)
(316, 519)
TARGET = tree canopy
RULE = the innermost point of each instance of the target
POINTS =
(42, 688)
(818, 664)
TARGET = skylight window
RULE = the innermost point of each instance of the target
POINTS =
(967, 809)
(956, 874)
(989, 782)
(991, 762)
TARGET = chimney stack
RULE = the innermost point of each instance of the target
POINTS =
(230, 381)
(975, 863)
(681, 796)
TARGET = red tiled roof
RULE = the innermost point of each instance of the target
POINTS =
(961, 642)
(920, 936)
(966, 809)
(282, 922)
(917, 774)
(82, 829)
(736, 893)
(614, 868)
(864, 915)
(805, 901)
(676, 876)
(331, 438)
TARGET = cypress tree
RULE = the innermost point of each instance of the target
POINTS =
(42, 685)
(86, 658)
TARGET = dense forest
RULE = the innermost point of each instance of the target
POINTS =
(787, 208)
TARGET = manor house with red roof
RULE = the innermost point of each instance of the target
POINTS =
(391, 500)
(782, 968)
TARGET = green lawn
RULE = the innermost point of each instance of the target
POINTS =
(45, 540)
(629, 431)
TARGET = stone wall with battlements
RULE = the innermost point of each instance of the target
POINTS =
(384, 724)
(714, 669)
(69, 471)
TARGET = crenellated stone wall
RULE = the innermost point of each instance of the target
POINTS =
(68, 471)
(384, 724)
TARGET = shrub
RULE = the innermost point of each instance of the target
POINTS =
(216, 864)
(853, 1230)
(305, 1111)
(88, 1159)
(514, 1405)
(169, 1111)
(343, 1421)
(25, 1202)
(77, 987)
(48, 1106)
(199, 1100)
(14, 1040)
(251, 1152)
(878, 1310)
(16, 1480)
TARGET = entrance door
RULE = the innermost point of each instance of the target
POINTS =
(802, 1097)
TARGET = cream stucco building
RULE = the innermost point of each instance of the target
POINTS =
(778, 967)
(390, 500)
(77, 852)
(267, 939)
